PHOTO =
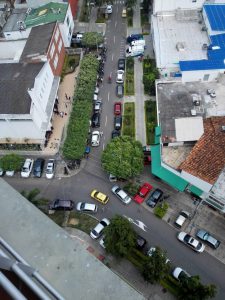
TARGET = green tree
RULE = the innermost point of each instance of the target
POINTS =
(11, 162)
(156, 267)
(130, 3)
(119, 236)
(92, 39)
(123, 157)
(192, 289)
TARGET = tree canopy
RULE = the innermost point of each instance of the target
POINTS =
(130, 3)
(123, 157)
(11, 162)
(192, 289)
(92, 39)
(119, 236)
(156, 266)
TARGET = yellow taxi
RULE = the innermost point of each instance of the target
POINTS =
(99, 196)
(124, 13)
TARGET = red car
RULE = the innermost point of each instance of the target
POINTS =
(117, 108)
(142, 192)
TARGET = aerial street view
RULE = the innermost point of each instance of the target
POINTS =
(112, 149)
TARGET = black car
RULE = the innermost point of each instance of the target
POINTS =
(154, 198)
(95, 121)
(118, 122)
(119, 91)
(61, 205)
(38, 167)
(121, 64)
(134, 37)
(115, 133)
(140, 242)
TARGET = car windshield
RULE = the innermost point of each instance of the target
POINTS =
(187, 238)
(25, 170)
(82, 205)
(103, 223)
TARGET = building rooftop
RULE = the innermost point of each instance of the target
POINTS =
(207, 158)
(189, 129)
(215, 14)
(178, 40)
(15, 80)
(17, 15)
(204, 64)
(48, 13)
(10, 51)
(64, 262)
(38, 41)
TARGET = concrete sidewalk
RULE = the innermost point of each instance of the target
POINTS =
(121, 267)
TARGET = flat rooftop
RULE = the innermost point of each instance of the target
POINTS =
(174, 30)
(10, 51)
(17, 15)
(61, 260)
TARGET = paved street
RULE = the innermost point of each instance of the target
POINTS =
(78, 187)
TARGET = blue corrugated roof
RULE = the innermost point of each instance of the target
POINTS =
(218, 40)
(204, 64)
(216, 15)
(216, 54)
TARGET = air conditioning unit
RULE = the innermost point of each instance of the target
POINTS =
(193, 112)
(223, 128)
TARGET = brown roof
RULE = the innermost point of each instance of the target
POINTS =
(207, 158)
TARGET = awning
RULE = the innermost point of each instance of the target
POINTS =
(196, 191)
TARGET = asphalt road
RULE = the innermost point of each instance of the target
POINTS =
(78, 187)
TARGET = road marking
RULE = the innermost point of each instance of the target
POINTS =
(136, 222)
(114, 39)
(108, 96)
(105, 121)
(115, 24)
(112, 57)
(117, 9)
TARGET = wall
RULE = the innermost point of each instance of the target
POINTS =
(170, 5)
(17, 35)
(189, 76)
(201, 184)
(67, 28)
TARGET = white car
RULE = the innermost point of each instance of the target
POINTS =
(183, 216)
(50, 169)
(108, 9)
(98, 230)
(27, 168)
(9, 173)
(190, 241)
(95, 139)
(120, 76)
(121, 194)
(179, 273)
(96, 90)
(97, 106)
(86, 207)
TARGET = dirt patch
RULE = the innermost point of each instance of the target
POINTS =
(73, 221)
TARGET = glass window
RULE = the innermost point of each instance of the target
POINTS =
(60, 45)
(56, 60)
(52, 50)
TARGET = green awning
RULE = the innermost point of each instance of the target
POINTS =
(196, 191)
(169, 177)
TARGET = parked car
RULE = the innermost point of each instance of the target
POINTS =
(108, 9)
(134, 37)
(1, 172)
(86, 207)
(179, 273)
(50, 169)
(118, 122)
(152, 250)
(38, 167)
(121, 64)
(59, 204)
(154, 198)
(97, 106)
(115, 133)
(27, 168)
(124, 13)
(112, 178)
(96, 90)
(117, 108)
(183, 216)
(95, 138)
(142, 192)
(120, 76)
(121, 194)
(98, 230)
(99, 196)
(119, 90)
(9, 173)
(95, 121)
(140, 242)
(208, 238)
(190, 241)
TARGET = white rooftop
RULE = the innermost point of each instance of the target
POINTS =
(10, 51)
(171, 34)
(189, 129)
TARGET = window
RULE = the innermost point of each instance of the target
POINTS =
(60, 45)
(52, 50)
(68, 21)
(56, 60)
(56, 35)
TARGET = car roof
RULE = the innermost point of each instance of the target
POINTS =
(101, 196)
(122, 194)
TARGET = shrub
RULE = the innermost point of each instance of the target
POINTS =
(131, 188)
(161, 210)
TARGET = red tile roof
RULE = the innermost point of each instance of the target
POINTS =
(207, 158)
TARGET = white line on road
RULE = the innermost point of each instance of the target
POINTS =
(115, 24)
(112, 57)
(114, 39)
(105, 121)
(108, 96)
(103, 147)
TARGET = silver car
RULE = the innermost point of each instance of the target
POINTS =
(121, 194)
(208, 238)
(86, 207)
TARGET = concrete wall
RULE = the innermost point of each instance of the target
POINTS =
(67, 28)
(189, 76)
(201, 184)
(17, 35)
(170, 5)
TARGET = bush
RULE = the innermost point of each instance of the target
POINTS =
(131, 188)
(150, 74)
(129, 119)
(151, 121)
(161, 210)
(129, 83)
(136, 258)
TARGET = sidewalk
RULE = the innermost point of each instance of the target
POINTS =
(122, 267)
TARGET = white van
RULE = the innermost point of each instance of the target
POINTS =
(135, 50)
(138, 43)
